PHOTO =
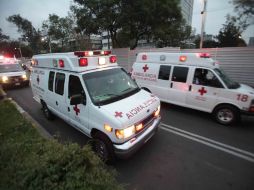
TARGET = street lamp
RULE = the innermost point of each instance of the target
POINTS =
(20, 52)
(44, 39)
(203, 13)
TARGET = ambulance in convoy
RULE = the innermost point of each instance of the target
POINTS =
(193, 80)
(93, 94)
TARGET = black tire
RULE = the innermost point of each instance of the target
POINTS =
(226, 114)
(103, 147)
(47, 113)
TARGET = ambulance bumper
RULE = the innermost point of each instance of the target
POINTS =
(128, 148)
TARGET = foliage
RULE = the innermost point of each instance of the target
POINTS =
(27, 161)
(129, 21)
(58, 28)
(207, 43)
(28, 32)
(230, 35)
(2, 36)
(245, 10)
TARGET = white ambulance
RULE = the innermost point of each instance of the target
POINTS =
(11, 73)
(92, 93)
(193, 80)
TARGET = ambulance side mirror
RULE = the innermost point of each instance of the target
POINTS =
(76, 99)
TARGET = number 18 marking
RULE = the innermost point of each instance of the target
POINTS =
(242, 97)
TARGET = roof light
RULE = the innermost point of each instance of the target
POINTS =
(1, 57)
(102, 61)
(144, 57)
(83, 53)
(105, 52)
(83, 62)
(204, 55)
(61, 63)
(112, 59)
(183, 58)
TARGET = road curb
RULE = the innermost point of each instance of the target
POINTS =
(3, 95)
(35, 124)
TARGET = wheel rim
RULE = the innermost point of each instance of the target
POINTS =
(101, 150)
(225, 115)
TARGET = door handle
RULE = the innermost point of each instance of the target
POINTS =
(190, 87)
(171, 84)
(56, 103)
(69, 109)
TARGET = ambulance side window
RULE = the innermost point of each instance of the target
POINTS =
(59, 83)
(180, 74)
(206, 77)
(164, 72)
(51, 80)
(75, 86)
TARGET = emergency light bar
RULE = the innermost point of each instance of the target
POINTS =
(204, 55)
(91, 53)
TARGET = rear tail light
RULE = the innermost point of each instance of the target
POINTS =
(83, 62)
(251, 109)
(112, 59)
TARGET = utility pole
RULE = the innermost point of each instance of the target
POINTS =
(203, 13)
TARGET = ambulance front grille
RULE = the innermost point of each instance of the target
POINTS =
(147, 122)
(15, 79)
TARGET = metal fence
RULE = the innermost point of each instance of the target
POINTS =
(238, 62)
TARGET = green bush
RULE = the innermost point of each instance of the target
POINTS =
(28, 161)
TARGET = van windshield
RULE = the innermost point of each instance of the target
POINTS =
(4, 68)
(229, 83)
(108, 86)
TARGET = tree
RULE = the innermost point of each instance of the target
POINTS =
(2, 36)
(58, 28)
(230, 35)
(94, 17)
(159, 21)
(128, 21)
(245, 9)
(28, 32)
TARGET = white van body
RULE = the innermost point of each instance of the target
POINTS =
(193, 80)
(11, 73)
(120, 119)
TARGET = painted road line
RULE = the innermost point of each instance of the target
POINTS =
(203, 140)
(210, 140)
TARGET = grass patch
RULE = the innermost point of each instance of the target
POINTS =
(28, 161)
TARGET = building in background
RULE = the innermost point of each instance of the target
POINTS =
(187, 10)
(251, 41)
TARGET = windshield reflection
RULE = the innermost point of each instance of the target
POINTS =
(229, 83)
(108, 86)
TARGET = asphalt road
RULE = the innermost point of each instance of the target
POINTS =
(190, 151)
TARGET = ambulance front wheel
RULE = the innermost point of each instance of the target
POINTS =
(226, 114)
(103, 147)
(47, 113)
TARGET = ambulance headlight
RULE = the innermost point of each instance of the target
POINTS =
(4, 78)
(157, 112)
(24, 77)
(125, 133)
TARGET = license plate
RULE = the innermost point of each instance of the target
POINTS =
(17, 83)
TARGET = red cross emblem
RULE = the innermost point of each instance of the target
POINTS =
(38, 79)
(202, 91)
(118, 114)
(145, 68)
(76, 109)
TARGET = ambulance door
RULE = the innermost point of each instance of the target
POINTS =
(204, 90)
(58, 99)
(162, 87)
(178, 85)
(78, 113)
